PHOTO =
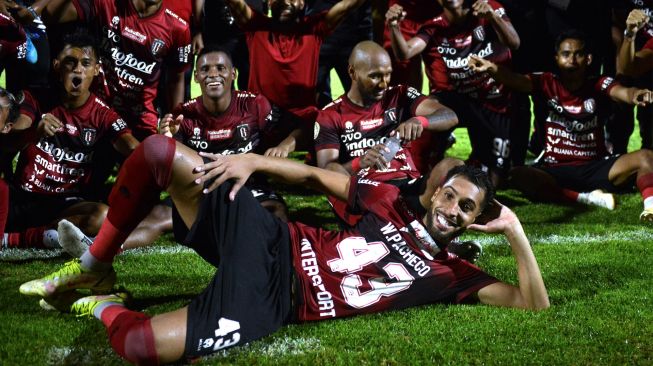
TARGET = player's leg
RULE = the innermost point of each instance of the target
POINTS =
(155, 165)
(639, 163)
(157, 222)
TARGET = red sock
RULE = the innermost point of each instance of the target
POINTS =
(645, 185)
(4, 206)
(570, 195)
(143, 176)
(130, 334)
(30, 238)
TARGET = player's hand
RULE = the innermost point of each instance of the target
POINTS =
(496, 218)
(198, 43)
(410, 130)
(636, 20)
(223, 167)
(374, 159)
(482, 10)
(277, 151)
(395, 14)
(642, 97)
(479, 64)
(19, 12)
(170, 126)
(49, 126)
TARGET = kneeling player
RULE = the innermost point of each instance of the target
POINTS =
(257, 255)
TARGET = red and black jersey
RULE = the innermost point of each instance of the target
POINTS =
(381, 264)
(574, 125)
(133, 50)
(236, 131)
(649, 44)
(61, 164)
(446, 57)
(283, 60)
(353, 129)
(12, 39)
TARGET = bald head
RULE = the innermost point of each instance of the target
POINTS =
(368, 54)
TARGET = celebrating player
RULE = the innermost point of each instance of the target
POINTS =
(575, 158)
(481, 104)
(391, 260)
(226, 121)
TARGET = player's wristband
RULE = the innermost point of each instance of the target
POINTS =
(356, 164)
(33, 12)
(423, 120)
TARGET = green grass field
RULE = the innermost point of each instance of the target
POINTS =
(597, 265)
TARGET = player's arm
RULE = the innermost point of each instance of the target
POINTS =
(239, 167)
(55, 11)
(502, 74)
(531, 292)
(169, 126)
(196, 21)
(340, 10)
(125, 144)
(504, 29)
(630, 62)
(402, 49)
(429, 115)
(241, 12)
(175, 87)
(633, 96)
(373, 158)
(286, 146)
(328, 159)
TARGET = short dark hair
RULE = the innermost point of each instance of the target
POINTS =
(80, 38)
(475, 176)
(215, 48)
(571, 34)
(14, 104)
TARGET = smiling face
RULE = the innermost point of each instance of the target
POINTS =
(76, 66)
(286, 10)
(215, 74)
(454, 206)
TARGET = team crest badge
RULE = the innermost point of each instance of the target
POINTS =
(390, 115)
(242, 132)
(479, 33)
(88, 136)
(316, 130)
(589, 105)
(157, 46)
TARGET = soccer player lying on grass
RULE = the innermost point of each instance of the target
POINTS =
(575, 158)
(226, 121)
(272, 273)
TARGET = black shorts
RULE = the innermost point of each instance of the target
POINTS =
(28, 209)
(584, 177)
(250, 294)
(489, 131)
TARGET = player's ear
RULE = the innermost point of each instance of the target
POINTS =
(352, 72)
(589, 59)
(96, 69)
(234, 73)
(55, 64)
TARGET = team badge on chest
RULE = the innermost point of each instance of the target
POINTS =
(242, 132)
(157, 47)
(88, 136)
(479, 34)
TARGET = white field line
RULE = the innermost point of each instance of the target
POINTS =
(642, 234)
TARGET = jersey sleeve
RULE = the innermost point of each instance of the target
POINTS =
(326, 134)
(425, 33)
(412, 99)
(499, 10)
(86, 9)
(267, 116)
(367, 195)
(118, 126)
(648, 45)
(604, 85)
(180, 58)
(30, 107)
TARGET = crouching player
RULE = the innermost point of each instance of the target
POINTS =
(257, 255)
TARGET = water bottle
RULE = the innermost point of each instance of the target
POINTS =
(393, 143)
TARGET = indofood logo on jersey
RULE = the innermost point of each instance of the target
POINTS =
(462, 62)
(129, 60)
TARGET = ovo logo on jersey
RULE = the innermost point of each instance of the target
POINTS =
(226, 335)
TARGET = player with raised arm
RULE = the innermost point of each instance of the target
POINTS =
(391, 260)
(137, 38)
(575, 158)
(226, 121)
(481, 104)
(630, 61)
